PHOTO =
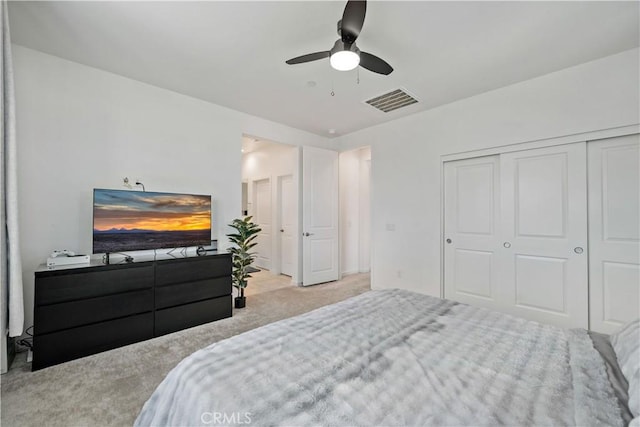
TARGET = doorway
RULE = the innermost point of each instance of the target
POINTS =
(270, 171)
(282, 166)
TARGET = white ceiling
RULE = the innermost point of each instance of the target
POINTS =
(233, 53)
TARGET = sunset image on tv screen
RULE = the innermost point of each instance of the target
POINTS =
(136, 220)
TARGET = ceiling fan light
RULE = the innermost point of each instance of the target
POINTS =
(344, 60)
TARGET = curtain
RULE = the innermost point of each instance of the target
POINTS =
(10, 247)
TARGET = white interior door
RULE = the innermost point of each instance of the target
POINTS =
(320, 211)
(544, 227)
(262, 217)
(287, 224)
(472, 225)
(614, 235)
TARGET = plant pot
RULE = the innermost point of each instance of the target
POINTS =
(240, 302)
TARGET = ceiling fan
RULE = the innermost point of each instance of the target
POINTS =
(345, 55)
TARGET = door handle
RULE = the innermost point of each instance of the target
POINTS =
(307, 234)
(506, 244)
(282, 230)
(448, 241)
(578, 250)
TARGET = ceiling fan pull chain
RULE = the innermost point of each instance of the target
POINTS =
(358, 75)
(332, 92)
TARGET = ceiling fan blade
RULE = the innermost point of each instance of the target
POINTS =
(375, 64)
(309, 57)
(352, 20)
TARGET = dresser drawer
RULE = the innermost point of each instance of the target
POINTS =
(189, 315)
(57, 347)
(171, 295)
(55, 317)
(66, 286)
(192, 270)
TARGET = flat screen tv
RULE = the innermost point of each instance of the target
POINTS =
(125, 220)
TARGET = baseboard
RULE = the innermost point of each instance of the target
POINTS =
(349, 272)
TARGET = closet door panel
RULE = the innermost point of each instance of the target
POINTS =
(544, 223)
(471, 225)
(540, 283)
(614, 235)
(540, 185)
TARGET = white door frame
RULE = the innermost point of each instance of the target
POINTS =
(298, 267)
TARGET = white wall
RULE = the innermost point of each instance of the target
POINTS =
(273, 161)
(406, 153)
(79, 128)
(354, 211)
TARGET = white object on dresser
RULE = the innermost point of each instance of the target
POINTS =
(68, 260)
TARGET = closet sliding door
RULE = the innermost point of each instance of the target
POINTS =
(472, 225)
(614, 235)
(515, 233)
(544, 227)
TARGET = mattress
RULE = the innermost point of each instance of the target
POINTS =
(391, 357)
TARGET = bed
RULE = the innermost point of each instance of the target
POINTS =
(394, 357)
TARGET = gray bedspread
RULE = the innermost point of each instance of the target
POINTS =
(391, 357)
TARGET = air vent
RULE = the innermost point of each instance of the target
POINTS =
(392, 101)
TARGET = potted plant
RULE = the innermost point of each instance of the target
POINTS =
(244, 239)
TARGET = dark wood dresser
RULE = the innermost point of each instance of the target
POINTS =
(85, 309)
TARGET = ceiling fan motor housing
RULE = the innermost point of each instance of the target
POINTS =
(340, 46)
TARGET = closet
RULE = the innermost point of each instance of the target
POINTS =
(549, 234)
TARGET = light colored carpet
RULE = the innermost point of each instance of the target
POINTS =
(110, 388)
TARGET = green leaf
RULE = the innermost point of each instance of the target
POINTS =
(244, 239)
